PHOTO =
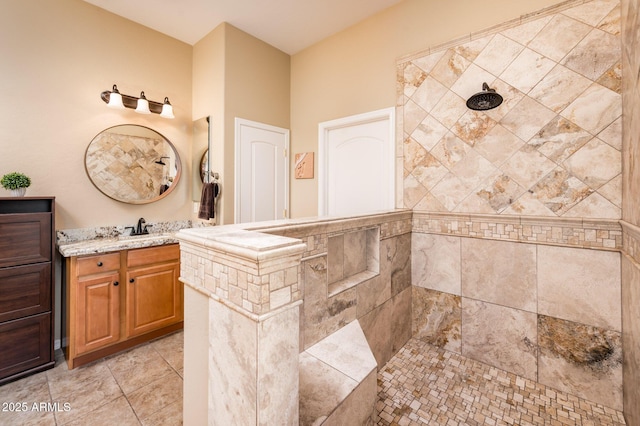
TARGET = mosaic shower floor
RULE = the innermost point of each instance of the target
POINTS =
(423, 384)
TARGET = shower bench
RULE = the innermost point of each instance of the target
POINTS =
(338, 379)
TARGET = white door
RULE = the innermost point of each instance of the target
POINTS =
(261, 171)
(356, 164)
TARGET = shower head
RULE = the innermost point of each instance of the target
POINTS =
(162, 163)
(487, 99)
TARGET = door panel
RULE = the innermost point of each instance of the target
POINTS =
(262, 172)
(356, 164)
(264, 180)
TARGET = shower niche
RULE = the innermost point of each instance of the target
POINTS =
(352, 258)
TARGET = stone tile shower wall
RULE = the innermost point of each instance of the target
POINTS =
(631, 213)
(516, 240)
(551, 149)
(548, 313)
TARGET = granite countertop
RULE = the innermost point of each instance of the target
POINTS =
(105, 239)
(106, 245)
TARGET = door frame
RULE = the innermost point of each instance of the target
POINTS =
(242, 122)
(326, 127)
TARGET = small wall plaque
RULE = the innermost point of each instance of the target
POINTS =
(304, 165)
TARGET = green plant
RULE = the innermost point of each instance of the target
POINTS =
(15, 180)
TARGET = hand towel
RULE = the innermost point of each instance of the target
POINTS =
(207, 206)
(210, 192)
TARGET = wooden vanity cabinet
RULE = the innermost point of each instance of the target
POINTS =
(118, 300)
(154, 294)
(97, 302)
(26, 286)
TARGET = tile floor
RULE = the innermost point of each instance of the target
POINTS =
(142, 386)
(420, 385)
(423, 384)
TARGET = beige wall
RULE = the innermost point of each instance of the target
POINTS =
(257, 89)
(208, 93)
(227, 74)
(237, 75)
(57, 58)
(355, 71)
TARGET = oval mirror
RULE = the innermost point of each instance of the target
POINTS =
(132, 164)
(204, 167)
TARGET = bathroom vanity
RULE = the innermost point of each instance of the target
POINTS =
(119, 297)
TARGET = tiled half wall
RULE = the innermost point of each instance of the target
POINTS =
(356, 268)
(551, 149)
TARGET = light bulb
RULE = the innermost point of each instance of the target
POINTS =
(115, 99)
(167, 109)
(143, 105)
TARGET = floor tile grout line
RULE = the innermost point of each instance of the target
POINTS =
(123, 392)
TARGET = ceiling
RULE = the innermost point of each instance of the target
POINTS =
(289, 25)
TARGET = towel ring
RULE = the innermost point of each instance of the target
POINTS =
(214, 175)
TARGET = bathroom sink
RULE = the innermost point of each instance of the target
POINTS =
(131, 241)
(143, 237)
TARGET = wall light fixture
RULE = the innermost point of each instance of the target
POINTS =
(114, 99)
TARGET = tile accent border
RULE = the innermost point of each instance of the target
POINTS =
(602, 234)
(631, 240)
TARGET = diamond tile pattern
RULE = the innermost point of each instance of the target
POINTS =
(560, 78)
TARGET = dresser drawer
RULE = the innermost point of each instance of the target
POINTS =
(89, 265)
(25, 239)
(24, 344)
(25, 290)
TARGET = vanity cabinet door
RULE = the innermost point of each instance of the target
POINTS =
(154, 298)
(97, 312)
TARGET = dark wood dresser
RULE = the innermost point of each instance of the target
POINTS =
(27, 241)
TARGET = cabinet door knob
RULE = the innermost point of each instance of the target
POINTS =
(116, 283)
(131, 280)
(99, 263)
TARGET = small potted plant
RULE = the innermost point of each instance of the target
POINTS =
(16, 182)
